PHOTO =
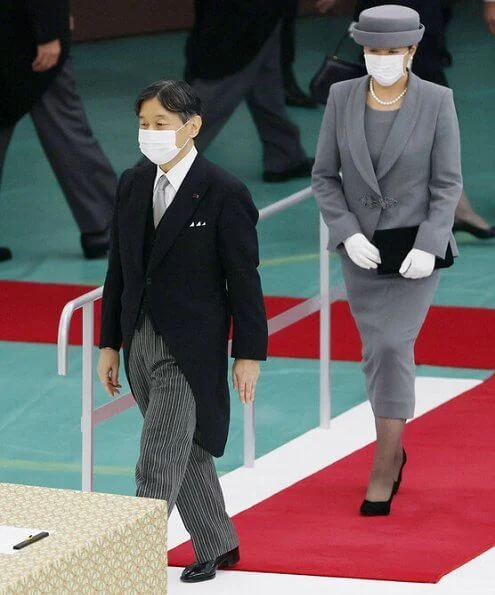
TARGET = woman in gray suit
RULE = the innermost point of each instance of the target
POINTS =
(387, 179)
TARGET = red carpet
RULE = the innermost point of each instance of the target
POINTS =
(31, 311)
(452, 336)
(443, 516)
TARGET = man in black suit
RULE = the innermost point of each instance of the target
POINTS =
(183, 263)
(36, 78)
(233, 54)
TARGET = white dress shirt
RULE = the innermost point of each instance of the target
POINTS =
(175, 176)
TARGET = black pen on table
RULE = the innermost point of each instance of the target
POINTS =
(31, 539)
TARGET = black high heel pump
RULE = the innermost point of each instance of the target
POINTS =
(397, 483)
(477, 232)
(369, 508)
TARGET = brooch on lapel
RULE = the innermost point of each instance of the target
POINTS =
(384, 203)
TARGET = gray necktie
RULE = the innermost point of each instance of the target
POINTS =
(159, 205)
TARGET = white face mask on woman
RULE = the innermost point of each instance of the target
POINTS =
(160, 146)
(386, 70)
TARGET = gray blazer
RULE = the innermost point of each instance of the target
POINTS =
(418, 179)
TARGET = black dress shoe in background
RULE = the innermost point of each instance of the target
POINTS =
(96, 244)
(5, 254)
(294, 95)
(205, 571)
(477, 232)
(303, 170)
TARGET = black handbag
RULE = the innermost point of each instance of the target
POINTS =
(334, 70)
(394, 245)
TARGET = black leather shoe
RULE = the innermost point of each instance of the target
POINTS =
(96, 244)
(294, 95)
(206, 571)
(398, 481)
(369, 508)
(303, 170)
(477, 232)
(5, 254)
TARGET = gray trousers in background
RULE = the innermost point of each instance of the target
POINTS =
(83, 171)
(261, 85)
(171, 465)
(389, 313)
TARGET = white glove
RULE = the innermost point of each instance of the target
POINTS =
(362, 252)
(417, 264)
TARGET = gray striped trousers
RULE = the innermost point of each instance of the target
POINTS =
(171, 465)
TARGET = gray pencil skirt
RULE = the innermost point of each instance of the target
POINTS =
(389, 312)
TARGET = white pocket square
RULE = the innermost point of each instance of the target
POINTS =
(198, 224)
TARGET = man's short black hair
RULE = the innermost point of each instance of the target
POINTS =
(175, 96)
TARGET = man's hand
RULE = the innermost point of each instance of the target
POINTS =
(108, 370)
(245, 374)
(47, 56)
(324, 6)
(490, 16)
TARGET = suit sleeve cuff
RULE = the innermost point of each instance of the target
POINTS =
(430, 241)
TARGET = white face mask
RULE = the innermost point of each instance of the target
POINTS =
(160, 146)
(386, 70)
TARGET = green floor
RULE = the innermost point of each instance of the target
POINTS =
(39, 427)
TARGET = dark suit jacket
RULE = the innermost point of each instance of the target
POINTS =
(197, 278)
(228, 34)
(24, 24)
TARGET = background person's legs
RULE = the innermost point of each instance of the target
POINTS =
(294, 95)
(260, 83)
(282, 149)
(82, 169)
(5, 138)
(219, 99)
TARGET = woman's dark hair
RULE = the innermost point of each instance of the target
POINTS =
(175, 96)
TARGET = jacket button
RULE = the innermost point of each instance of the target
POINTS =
(148, 280)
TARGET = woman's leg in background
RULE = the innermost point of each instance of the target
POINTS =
(466, 214)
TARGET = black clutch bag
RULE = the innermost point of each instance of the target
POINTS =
(394, 245)
(333, 70)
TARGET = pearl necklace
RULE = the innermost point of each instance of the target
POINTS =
(380, 101)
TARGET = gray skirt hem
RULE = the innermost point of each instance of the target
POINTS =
(393, 410)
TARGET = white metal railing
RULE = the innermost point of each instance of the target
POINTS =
(91, 416)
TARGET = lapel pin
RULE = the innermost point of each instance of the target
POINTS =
(195, 195)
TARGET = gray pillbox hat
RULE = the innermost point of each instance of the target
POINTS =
(388, 26)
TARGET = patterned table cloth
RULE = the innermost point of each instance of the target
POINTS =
(98, 543)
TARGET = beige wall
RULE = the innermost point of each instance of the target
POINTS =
(103, 19)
